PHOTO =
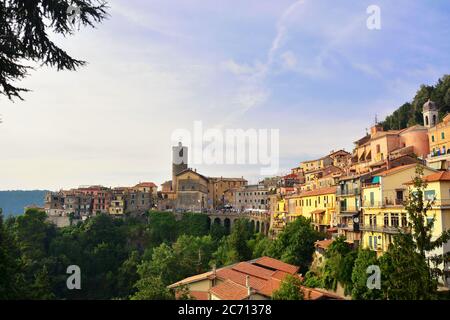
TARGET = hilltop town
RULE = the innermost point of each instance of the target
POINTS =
(359, 195)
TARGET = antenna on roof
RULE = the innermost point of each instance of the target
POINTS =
(376, 119)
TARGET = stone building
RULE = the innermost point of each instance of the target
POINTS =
(218, 187)
(54, 204)
(192, 191)
(252, 197)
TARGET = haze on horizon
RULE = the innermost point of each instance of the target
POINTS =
(312, 70)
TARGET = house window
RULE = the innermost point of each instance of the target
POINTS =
(432, 138)
(394, 220)
(404, 220)
(430, 195)
(386, 219)
(442, 135)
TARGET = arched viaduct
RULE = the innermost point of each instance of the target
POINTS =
(260, 221)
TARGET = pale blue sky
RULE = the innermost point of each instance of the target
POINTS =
(309, 68)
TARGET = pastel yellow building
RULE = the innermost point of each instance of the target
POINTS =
(383, 212)
(439, 139)
(278, 214)
(438, 193)
(318, 205)
(117, 202)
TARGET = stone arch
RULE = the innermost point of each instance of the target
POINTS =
(227, 225)
(209, 222)
(427, 122)
(434, 120)
(252, 225)
(218, 221)
(257, 226)
(263, 228)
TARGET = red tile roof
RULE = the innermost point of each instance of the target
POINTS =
(199, 295)
(397, 169)
(438, 176)
(318, 192)
(240, 278)
(277, 264)
(146, 184)
(324, 244)
(228, 290)
(263, 275)
(253, 270)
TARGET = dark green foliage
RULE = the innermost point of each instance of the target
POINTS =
(194, 224)
(410, 113)
(295, 245)
(24, 28)
(235, 247)
(163, 227)
(290, 289)
(311, 280)
(152, 288)
(340, 259)
(405, 273)
(360, 290)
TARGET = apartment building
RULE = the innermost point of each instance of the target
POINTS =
(383, 211)
(252, 197)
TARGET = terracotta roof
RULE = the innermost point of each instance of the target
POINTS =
(193, 171)
(240, 278)
(228, 290)
(146, 184)
(253, 270)
(290, 176)
(277, 264)
(318, 192)
(199, 295)
(324, 244)
(438, 176)
(318, 294)
(195, 278)
(397, 169)
(263, 276)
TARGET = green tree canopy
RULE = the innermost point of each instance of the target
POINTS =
(24, 36)
(290, 289)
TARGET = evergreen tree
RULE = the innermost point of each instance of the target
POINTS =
(24, 28)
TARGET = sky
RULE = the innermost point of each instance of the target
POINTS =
(311, 69)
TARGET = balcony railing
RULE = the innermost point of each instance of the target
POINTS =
(384, 229)
(344, 226)
(384, 203)
(348, 192)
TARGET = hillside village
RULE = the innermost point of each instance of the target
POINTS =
(359, 195)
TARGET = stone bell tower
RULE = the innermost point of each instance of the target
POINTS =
(430, 114)
(179, 162)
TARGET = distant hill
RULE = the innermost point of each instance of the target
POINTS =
(410, 113)
(13, 202)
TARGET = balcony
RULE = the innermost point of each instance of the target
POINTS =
(348, 192)
(384, 229)
(346, 227)
(384, 203)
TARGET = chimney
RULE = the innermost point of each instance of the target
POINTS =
(375, 129)
(247, 284)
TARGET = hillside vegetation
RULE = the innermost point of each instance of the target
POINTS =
(410, 113)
